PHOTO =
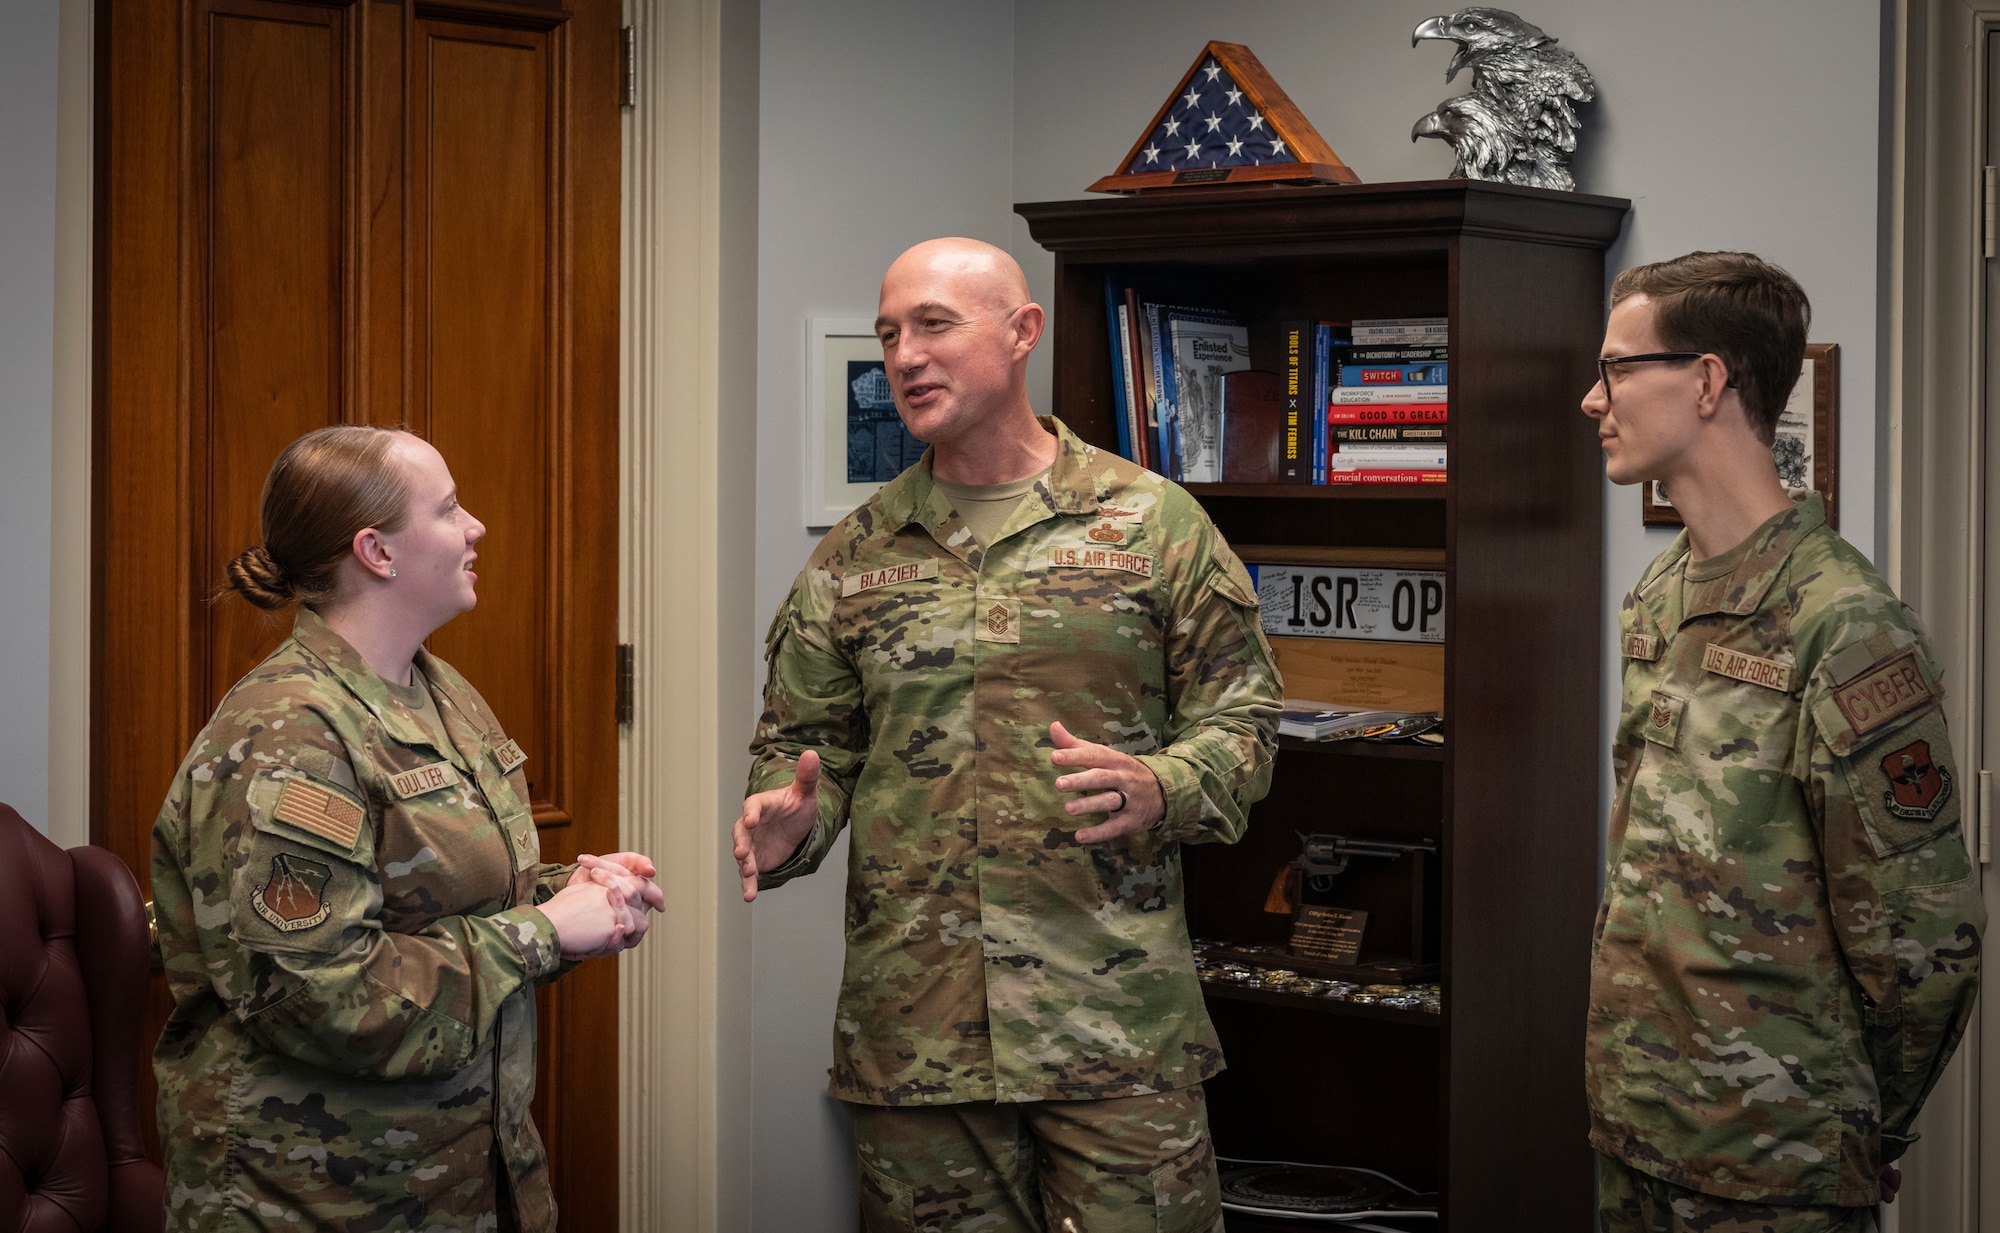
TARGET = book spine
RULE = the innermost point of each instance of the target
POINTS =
(1430, 324)
(1402, 476)
(1294, 459)
(1163, 407)
(1322, 374)
(1404, 413)
(1146, 421)
(1121, 367)
(1416, 354)
(1440, 341)
(1379, 395)
(1415, 434)
(1388, 462)
(1392, 374)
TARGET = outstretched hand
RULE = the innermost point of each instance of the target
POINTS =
(1118, 783)
(773, 824)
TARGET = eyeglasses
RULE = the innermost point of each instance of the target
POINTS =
(1604, 363)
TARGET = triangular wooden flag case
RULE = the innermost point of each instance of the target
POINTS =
(1227, 122)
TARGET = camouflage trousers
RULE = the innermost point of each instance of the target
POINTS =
(1136, 1164)
(1630, 1201)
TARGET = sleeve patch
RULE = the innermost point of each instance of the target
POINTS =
(1919, 788)
(319, 811)
(294, 896)
(1880, 695)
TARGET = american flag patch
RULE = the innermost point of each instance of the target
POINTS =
(314, 809)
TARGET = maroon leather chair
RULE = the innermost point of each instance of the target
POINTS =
(73, 957)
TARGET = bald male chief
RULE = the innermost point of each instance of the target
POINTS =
(1024, 673)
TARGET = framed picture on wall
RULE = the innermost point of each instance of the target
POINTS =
(1806, 449)
(855, 441)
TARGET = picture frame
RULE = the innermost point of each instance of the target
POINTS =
(854, 439)
(1807, 449)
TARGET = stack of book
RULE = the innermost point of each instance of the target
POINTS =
(1386, 414)
(1167, 364)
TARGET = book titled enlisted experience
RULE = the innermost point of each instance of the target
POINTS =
(1202, 352)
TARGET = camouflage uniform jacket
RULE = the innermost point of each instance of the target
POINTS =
(1788, 945)
(346, 917)
(989, 955)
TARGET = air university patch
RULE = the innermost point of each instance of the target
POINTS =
(319, 811)
(425, 779)
(294, 898)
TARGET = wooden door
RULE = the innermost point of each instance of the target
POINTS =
(373, 211)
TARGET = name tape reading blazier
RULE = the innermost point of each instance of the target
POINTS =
(1333, 601)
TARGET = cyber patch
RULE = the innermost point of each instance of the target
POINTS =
(1892, 688)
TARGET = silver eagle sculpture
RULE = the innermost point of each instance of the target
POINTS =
(1518, 123)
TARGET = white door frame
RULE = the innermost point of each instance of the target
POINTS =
(1936, 551)
(689, 399)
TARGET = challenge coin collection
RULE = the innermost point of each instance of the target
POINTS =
(1422, 997)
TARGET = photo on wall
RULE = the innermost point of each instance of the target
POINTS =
(878, 446)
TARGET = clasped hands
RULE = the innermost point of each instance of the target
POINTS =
(603, 908)
(773, 824)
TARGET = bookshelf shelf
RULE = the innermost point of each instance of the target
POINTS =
(1325, 492)
(1361, 749)
(1504, 910)
(1320, 1006)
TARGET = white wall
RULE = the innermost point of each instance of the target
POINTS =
(28, 58)
(882, 124)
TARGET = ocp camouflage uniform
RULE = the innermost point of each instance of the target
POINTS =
(991, 957)
(1789, 944)
(345, 912)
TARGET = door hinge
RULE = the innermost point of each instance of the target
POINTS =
(1992, 208)
(628, 79)
(1984, 848)
(623, 695)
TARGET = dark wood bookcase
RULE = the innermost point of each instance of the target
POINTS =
(1483, 1103)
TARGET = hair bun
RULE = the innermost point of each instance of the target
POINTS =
(259, 579)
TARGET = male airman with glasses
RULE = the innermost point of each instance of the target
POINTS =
(1788, 947)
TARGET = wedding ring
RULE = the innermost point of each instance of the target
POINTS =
(1121, 801)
